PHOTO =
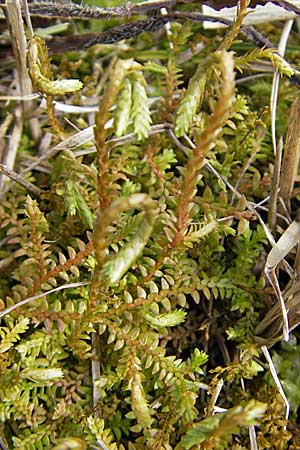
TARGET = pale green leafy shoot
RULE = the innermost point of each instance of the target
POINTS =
(9, 335)
(140, 111)
(216, 430)
(122, 114)
(170, 319)
(75, 203)
(42, 375)
(190, 102)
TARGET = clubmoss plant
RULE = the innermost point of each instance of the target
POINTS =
(131, 284)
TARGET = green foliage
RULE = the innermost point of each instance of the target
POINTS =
(140, 112)
(198, 359)
(170, 319)
(75, 203)
(122, 115)
(243, 300)
(280, 64)
(287, 362)
(70, 443)
(217, 429)
(132, 104)
(40, 71)
(140, 407)
(10, 335)
(134, 277)
(96, 428)
(191, 101)
(114, 269)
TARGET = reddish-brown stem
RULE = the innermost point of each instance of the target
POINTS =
(205, 143)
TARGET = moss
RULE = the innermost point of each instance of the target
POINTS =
(131, 287)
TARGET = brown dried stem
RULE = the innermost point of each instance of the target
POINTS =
(291, 156)
(20, 180)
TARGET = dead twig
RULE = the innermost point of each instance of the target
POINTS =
(20, 180)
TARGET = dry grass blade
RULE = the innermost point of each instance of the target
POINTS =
(19, 46)
(13, 143)
(291, 154)
(276, 380)
(284, 245)
(43, 294)
(269, 330)
(275, 185)
(276, 78)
